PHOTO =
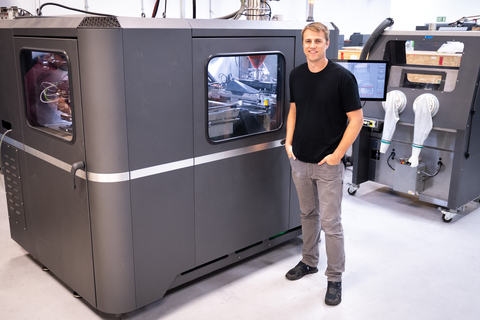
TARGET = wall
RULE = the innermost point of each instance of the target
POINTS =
(348, 15)
(410, 13)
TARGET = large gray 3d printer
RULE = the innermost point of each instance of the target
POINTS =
(145, 153)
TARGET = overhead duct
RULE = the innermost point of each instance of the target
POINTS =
(255, 10)
(373, 38)
(310, 10)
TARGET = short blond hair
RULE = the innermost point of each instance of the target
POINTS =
(317, 27)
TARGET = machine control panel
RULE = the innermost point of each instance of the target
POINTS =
(13, 185)
(375, 124)
(370, 123)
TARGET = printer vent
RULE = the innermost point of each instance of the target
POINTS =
(99, 22)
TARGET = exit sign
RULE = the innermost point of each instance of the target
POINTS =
(441, 19)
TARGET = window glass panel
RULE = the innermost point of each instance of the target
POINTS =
(427, 65)
(421, 78)
(47, 92)
(447, 54)
(426, 79)
(244, 95)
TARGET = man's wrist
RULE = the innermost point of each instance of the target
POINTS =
(337, 157)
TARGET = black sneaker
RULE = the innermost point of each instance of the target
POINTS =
(333, 296)
(300, 270)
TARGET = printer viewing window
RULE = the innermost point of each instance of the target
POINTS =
(245, 95)
(47, 92)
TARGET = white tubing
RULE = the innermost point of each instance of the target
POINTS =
(395, 104)
(425, 107)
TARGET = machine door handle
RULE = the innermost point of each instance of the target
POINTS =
(75, 167)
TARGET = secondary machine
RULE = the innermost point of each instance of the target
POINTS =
(145, 153)
(424, 139)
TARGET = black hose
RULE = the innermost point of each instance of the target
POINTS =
(194, 9)
(39, 10)
(164, 15)
(392, 156)
(374, 36)
(155, 9)
(428, 175)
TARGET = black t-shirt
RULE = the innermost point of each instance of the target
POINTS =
(322, 100)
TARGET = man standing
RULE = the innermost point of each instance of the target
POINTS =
(324, 120)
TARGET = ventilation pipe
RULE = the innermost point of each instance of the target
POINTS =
(374, 36)
(310, 10)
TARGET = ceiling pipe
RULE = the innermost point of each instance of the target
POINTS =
(310, 10)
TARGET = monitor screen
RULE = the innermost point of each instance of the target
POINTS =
(372, 77)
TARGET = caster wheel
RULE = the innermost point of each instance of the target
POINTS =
(445, 219)
(351, 192)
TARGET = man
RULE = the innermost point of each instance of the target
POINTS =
(323, 99)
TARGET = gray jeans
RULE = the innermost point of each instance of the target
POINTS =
(320, 192)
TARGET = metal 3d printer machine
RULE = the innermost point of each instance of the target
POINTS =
(145, 153)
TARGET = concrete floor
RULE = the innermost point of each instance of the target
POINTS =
(403, 262)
